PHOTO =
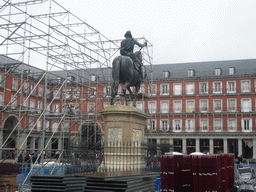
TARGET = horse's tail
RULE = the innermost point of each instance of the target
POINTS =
(115, 75)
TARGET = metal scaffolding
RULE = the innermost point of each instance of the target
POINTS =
(47, 51)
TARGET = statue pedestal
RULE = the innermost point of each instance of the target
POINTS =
(124, 132)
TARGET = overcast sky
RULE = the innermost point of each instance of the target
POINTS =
(180, 30)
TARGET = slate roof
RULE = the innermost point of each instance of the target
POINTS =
(202, 69)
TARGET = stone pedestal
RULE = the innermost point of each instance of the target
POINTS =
(124, 132)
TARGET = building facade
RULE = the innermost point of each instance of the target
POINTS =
(208, 107)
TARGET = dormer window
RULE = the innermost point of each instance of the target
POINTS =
(93, 78)
(191, 73)
(70, 79)
(218, 71)
(231, 70)
(166, 74)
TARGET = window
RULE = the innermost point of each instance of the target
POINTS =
(191, 73)
(26, 87)
(32, 104)
(152, 90)
(164, 89)
(33, 88)
(231, 105)
(217, 105)
(232, 125)
(105, 104)
(152, 106)
(41, 91)
(177, 106)
(217, 87)
(203, 88)
(92, 92)
(55, 127)
(218, 71)
(246, 105)
(56, 108)
(91, 108)
(140, 105)
(65, 126)
(1, 99)
(166, 74)
(25, 103)
(39, 125)
(190, 88)
(203, 105)
(67, 94)
(152, 125)
(190, 106)
(245, 86)
(76, 93)
(93, 77)
(40, 106)
(31, 123)
(71, 79)
(14, 101)
(164, 105)
(177, 90)
(204, 124)
(217, 125)
(73, 108)
(119, 91)
(164, 125)
(177, 125)
(1, 79)
(190, 125)
(246, 125)
(231, 87)
(107, 91)
(231, 71)
(15, 84)
(56, 94)
(47, 125)
(142, 88)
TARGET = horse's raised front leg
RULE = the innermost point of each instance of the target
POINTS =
(126, 86)
(136, 94)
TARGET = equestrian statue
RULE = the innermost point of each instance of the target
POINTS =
(127, 69)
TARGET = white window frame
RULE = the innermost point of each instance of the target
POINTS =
(47, 125)
(56, 108)
(39, 125)
(57, 96)
(190, 109)
(76, 93)
(152, 107)
(245, 89)
(55, 127)
(40, 105)
(248, 129)
(153, 90)
(164, 106)
(201, 107)
(177, 125)
(191, 72)
(142, 89)
(218, 71)
(67, 94)
(189, 90)
(92, 92)
(31, 122)
(153, 123)
(231, 89)
(249, 108)
(26, 87)
(166, 74)
(201, 89)
(232, 124)
(2, 80)
(91, 108)
(177, 106)
(190, 125)
(229, 107)
(177, 92)
(203, 126)
(214, 105)
(41, 91)
(119, 91)
(1, 99)
(14, 101)
(217, 90)
(107, 91)
(15, 83)
(32, 104)
(164, 124)
(231, 70)
(217, 121)
(140, 105)
(65, 126)
(105, 104)
(164, 89)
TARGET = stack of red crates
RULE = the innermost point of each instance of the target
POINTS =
(198, 173)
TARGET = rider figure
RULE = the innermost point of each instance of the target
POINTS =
(127, 46)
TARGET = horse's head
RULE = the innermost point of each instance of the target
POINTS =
(139, 55)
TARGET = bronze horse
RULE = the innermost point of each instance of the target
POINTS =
(123, 72)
